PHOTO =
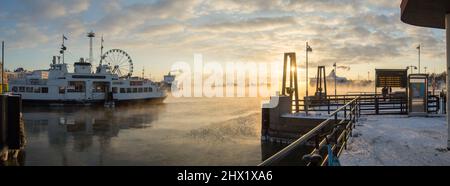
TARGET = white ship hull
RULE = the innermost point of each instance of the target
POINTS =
(58, 91)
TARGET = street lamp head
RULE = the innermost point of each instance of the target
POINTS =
(411, 66)
(308, 48)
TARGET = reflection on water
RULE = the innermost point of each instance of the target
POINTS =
(181, 131)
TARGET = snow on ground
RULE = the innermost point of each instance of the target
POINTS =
(398, 140)
(313, 114)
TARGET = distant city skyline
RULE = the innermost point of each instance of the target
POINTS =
(357, 35)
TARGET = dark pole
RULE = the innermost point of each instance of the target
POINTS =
(335, 79)
(101, 52)
(63, 49)
(283, 89)
(3, 64)
(306, 82)
(419, 58)
(294, 59)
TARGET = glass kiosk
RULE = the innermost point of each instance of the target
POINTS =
(418, 94)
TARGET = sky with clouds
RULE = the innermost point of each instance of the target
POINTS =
(359, 35)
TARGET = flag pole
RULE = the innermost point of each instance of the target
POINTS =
(308, 49)
(335, 79)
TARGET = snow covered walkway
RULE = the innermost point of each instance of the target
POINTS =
(398, 140)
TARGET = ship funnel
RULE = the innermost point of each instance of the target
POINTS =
(90, 35)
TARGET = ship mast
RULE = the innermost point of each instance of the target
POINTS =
(63, 48)
(90, 35)
(101, 52)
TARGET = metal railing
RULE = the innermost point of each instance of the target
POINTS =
(434, 104)
(370, 103)
(342, 122)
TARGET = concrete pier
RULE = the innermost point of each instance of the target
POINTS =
(279, 124)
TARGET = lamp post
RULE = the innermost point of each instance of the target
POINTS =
(418, 48)
(411, 67)
(335, 77)
(308, 49)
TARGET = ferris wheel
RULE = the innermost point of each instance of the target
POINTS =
(119, 61)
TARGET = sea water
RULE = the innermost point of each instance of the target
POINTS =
(180, 131)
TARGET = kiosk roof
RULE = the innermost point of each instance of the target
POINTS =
(425, 13)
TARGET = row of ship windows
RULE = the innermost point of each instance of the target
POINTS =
(133, 90)
(62, 90)
(30, 89)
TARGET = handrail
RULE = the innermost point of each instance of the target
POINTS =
(304, 138)
(300, 141)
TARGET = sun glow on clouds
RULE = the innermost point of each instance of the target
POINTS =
(361, 35)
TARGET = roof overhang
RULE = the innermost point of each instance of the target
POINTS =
(425, 13)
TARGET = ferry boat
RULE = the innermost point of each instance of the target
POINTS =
(112, 81)
(168, 79)
(166, 83)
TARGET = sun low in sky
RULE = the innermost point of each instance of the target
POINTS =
(358, 35)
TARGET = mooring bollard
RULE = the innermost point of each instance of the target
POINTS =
(376, 106)
(2, 124)
(12, 129)
(15, 135)
(265, 123)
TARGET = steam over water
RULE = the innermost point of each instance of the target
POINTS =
(181, 131)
